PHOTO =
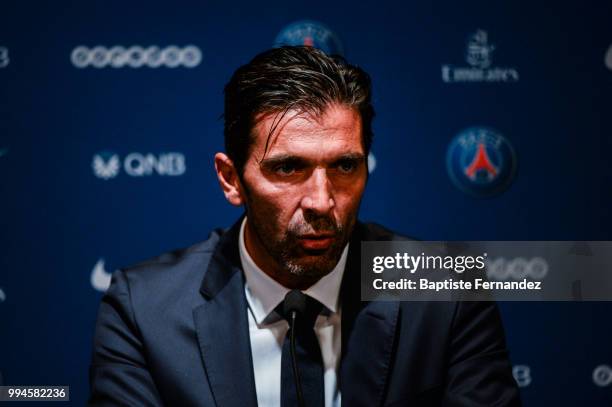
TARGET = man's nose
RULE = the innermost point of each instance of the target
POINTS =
(318, 196)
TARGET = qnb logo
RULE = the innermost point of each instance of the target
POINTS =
(602, 375)
(136, 56)
(4, 57)
(107, 165)
(139, 165)
(100, 279)
(479, 57)
(518, 268)
(481, 162)
(312, 33)
(522, 375)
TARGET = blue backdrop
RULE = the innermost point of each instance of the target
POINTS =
(106, 152)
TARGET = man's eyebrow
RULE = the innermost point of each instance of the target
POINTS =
(285, 158)
(351, 156)
(279, 159)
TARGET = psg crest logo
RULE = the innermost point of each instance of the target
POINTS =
(307, 32)
(481, 162)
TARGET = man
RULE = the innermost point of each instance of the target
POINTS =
(210, 325)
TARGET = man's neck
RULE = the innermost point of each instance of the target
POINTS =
(264, 293)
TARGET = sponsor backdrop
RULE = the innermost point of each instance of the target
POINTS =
(494, 123)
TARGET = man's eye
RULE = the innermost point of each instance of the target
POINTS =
(347, 166)
(285, 169)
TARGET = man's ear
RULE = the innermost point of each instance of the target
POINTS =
(228, 179)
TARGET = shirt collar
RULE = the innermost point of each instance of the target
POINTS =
(264, 293)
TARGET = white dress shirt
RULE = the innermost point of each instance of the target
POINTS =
(267, 329)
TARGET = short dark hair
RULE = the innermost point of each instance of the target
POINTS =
(286, 78)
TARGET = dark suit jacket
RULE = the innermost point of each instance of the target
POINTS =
(174, 331)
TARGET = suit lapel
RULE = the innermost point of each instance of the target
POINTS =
(368, 331)
(368, 335)
(222, 327)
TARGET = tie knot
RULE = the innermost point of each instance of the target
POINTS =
(306, 308)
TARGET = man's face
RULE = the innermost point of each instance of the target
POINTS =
(303, 195)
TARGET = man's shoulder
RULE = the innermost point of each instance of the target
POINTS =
(199, 249)
(179, 267)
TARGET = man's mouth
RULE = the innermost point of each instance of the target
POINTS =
(316, 241)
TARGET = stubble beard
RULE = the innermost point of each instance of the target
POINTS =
(290, 256)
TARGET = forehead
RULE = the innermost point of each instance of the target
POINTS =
(337, 130)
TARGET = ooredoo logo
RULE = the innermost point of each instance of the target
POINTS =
(602, 375)
(481, 162)
(312, 33)
(518, 268)
(522, 375)
(136, 56)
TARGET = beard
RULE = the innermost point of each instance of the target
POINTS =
(285, 248)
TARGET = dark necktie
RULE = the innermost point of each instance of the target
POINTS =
(308, 357)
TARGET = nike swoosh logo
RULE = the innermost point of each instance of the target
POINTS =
(100, 278)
